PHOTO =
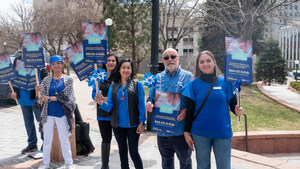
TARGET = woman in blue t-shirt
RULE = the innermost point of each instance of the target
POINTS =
(57, 104)
(212, 127)
(126, 100)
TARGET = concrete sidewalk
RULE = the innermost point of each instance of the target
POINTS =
(282, 94)
(13, 140)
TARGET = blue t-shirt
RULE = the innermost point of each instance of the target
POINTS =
(55, 107)
(123, 114)
(174, 84)
(214, 118)
(25, 98)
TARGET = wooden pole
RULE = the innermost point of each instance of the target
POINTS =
(12, 90)
(37, 80)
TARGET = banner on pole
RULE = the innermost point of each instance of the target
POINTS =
(238, 62)
(25, 78)
(76, 60)
(94, 42)
(7, 71)
(33, 50)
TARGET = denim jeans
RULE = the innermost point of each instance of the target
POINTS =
(168, 146)
(122, 135)
(221, 148)
(28, 117)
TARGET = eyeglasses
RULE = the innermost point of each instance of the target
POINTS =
(172, 57)
(56, 63)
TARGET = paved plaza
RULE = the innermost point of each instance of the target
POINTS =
(13, 140)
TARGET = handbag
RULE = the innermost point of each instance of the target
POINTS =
(206, 97)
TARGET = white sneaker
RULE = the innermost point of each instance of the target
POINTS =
(44, 166)
(69, 166)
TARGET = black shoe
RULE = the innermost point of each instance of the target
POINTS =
(30, 148)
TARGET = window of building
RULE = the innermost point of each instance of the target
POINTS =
(188, 51)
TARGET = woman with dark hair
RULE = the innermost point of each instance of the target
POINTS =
(207, 123)
(126, 101)
(104, 117)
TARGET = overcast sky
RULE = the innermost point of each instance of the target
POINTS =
(5, 4)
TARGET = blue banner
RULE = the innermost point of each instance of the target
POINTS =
(94, 41)
(75, 57)
(7, 72)
(25, 78)
(33, 50)
(238, 61)
(165, 112)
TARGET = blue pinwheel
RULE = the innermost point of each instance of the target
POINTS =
(102, 75)
(91, 81)
(149, 80)
(99, 75)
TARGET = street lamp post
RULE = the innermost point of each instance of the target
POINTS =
(108, 23)
(296, 64)
(4, 44)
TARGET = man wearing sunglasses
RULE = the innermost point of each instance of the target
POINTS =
(172, 79)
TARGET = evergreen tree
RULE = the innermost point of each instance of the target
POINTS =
(270, 66)
(131, 30)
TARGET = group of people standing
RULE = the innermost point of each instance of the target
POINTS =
(204, 119)
(121, 108)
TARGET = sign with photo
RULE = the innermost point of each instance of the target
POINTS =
(94, 41)
(25, 78)
(7, 71)
(165, 112)
(33, 50)
(238, 65)
(76, 60)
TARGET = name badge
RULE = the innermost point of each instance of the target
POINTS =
(217, 88)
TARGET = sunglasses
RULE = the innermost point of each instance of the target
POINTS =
(172, 57)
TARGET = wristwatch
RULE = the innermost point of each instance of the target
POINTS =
(49, 99)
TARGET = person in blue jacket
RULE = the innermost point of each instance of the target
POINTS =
(212, 127)
(26, 100)
(126, 100)
(104, 117)
(172, 79)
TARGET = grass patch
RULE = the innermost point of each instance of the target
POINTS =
(295, 85)
(263, 114)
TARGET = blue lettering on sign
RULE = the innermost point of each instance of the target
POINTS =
(94, 40)
(166, 109)
(31, 48)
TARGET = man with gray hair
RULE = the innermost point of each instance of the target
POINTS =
(172, 79)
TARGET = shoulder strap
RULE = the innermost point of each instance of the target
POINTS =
(206, 97)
